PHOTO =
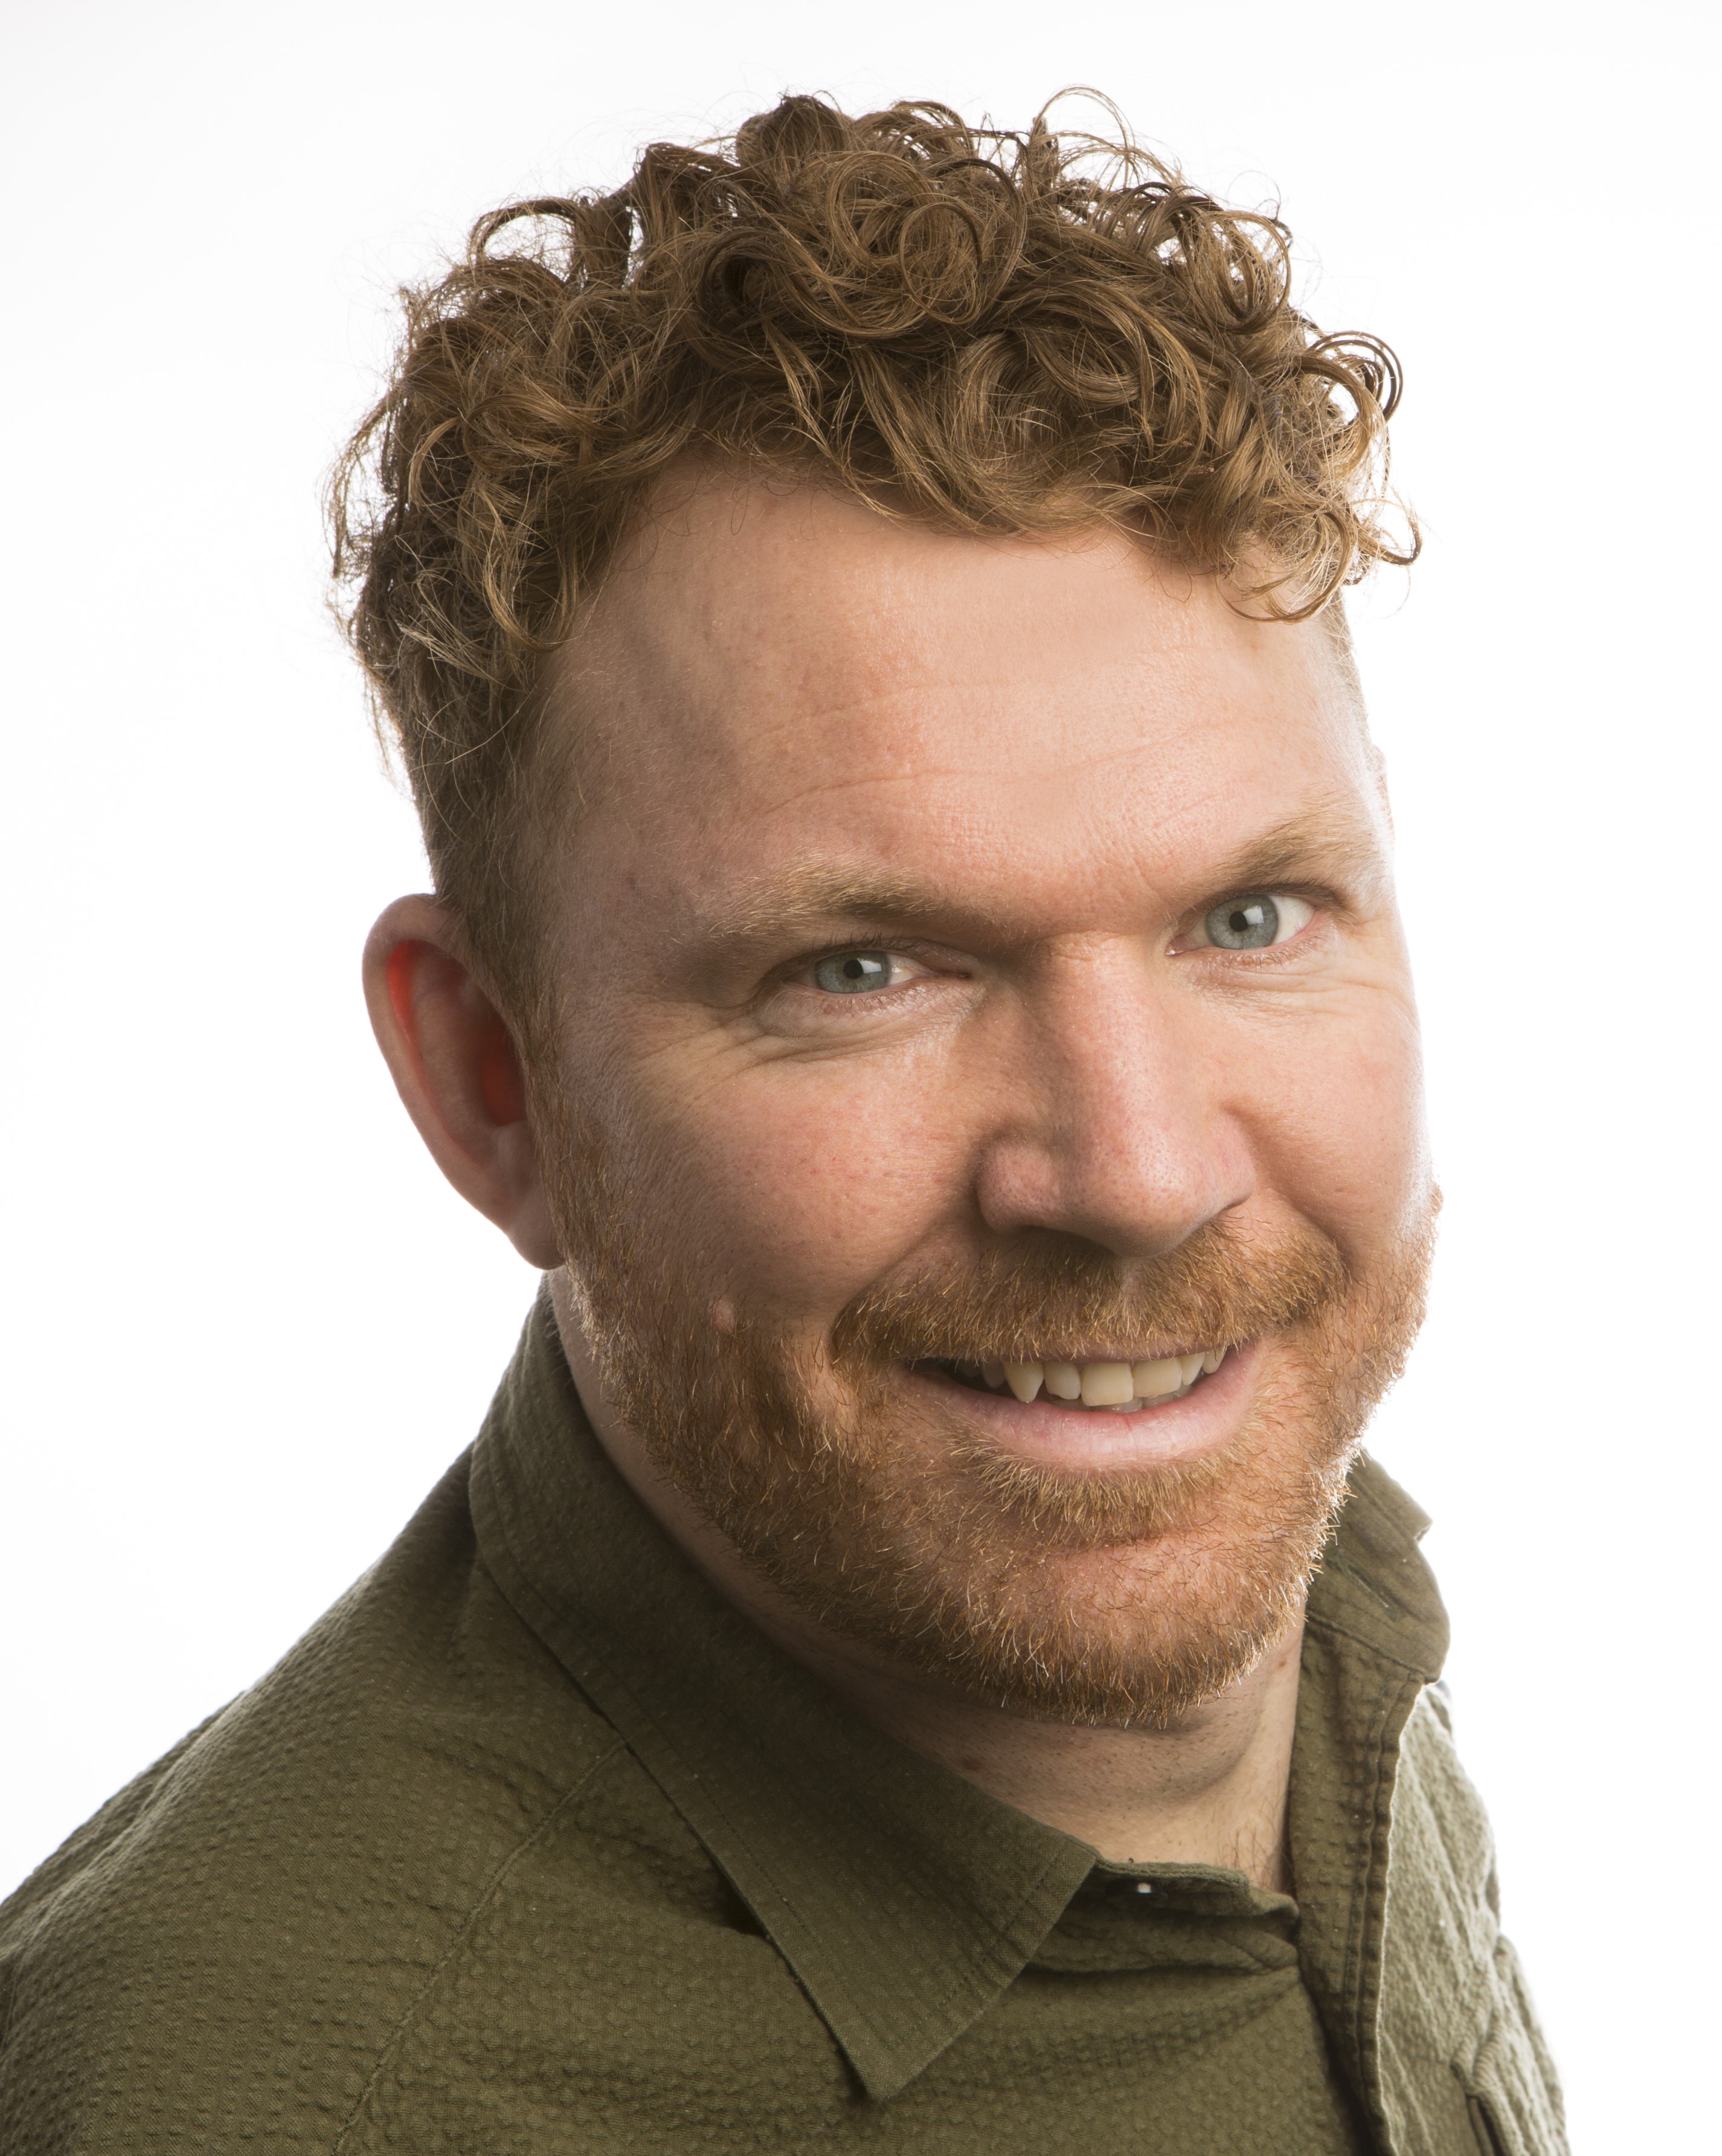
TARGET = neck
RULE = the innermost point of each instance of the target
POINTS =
(1207, 1788)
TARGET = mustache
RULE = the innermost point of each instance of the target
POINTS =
(1031, 1303)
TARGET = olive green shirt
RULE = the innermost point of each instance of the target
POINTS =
(534, 1844)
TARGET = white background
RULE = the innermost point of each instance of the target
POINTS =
(247, 1326)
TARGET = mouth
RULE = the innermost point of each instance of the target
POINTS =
(1102, 1385)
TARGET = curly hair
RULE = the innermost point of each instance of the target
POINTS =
(996, 332)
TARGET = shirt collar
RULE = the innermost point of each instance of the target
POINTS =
(904, 1898)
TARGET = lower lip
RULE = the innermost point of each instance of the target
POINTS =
(1092, 1439)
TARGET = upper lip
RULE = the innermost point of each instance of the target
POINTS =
(1081, 1355)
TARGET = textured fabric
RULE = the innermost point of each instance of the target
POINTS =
(534, 1844)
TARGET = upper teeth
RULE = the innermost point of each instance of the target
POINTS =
(1124, 1385)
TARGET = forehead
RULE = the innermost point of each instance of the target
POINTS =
(774, 675)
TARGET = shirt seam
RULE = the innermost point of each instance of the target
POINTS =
(486, 1894)
(1323, 1621)
(1375, 1889)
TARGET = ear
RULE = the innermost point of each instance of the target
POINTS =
(455, 1064)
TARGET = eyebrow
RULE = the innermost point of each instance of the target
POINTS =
(1331, 846)
(810, 896)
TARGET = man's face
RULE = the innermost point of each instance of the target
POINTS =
(982, 954)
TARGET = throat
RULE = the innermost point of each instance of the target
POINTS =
(1210, 1788)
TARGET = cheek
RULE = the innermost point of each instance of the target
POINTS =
(1343, 1137)
(798, 1184)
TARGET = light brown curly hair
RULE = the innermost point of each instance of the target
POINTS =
(996, 332)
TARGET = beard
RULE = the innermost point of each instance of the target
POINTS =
(861, 1494)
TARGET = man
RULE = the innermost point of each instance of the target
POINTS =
(916, 1657)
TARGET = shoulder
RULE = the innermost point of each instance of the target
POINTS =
(226, 1947)
(1453, 2000)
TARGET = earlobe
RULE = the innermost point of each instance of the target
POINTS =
(458, 1070)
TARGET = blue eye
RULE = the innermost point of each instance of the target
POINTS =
(853, 973)
(1243, 924)
(1254, 921)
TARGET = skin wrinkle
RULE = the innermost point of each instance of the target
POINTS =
(809, 899)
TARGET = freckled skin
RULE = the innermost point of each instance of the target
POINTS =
(1066, 747)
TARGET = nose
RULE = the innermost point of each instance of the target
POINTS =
(1112, 1122)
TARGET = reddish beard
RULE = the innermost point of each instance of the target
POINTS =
(1096, 1597)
